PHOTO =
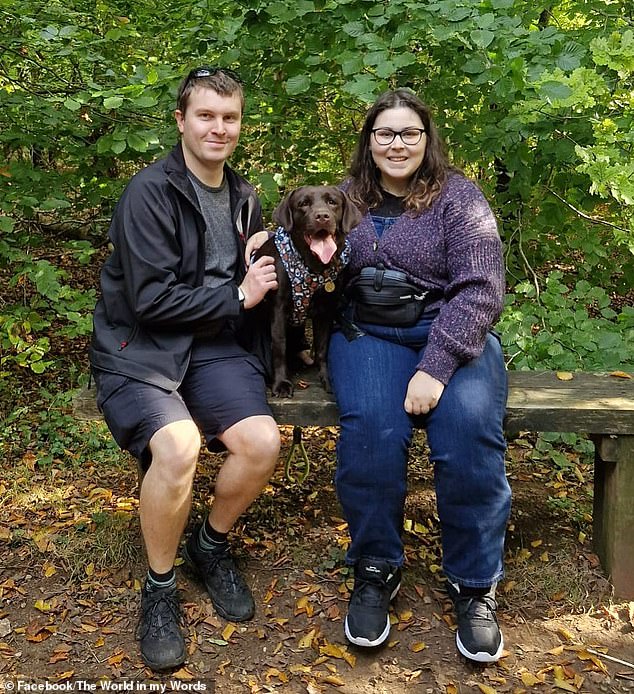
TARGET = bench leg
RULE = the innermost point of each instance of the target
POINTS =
(614, 510)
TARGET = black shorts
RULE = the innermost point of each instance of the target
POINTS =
(223, 385)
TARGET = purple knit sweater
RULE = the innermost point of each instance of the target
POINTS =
(453, 245)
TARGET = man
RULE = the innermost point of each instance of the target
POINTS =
(169, 353)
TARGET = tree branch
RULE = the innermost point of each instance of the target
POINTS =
(585, 216)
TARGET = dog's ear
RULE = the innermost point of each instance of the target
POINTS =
(351, 214)
(283, 213)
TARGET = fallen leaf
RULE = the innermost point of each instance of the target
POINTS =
(185, 674)
(42, 606)
(307, 639)
(508, 586)
(419, 646)
(620, 374)
(565, 634)
(334, 680)
(566, 686)
(228, 632)
(116, 658)
(49, 569)
(485, 689)
(37, 633)
(564, 376)
(529, 680)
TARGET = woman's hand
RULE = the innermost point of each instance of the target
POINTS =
(423, 393)
(253, 243)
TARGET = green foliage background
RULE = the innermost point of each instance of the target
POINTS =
(535, 102)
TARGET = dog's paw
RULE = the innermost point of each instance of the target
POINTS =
(282, 389)
(325, 381)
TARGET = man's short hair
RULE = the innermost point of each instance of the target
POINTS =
(222, 80)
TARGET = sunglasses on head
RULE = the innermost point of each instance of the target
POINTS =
(199, 72)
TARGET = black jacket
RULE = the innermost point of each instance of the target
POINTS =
(153, 300)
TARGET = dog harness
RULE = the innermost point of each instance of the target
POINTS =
(305, 283)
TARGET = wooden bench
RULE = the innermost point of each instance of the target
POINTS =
(601, 406)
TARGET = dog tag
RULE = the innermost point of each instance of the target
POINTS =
(329, 286)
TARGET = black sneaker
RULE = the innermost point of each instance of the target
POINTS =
(227, 589)
(375, 585)
(159, 629)
(478, 636)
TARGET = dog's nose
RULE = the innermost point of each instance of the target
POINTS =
(323, 216)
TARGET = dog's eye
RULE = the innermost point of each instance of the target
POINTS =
(332, 201)
(304, 203)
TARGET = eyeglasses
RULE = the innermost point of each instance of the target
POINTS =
(409, 136)
(199, 72)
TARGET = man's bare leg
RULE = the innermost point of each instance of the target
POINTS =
(254, 448)
(166, 491)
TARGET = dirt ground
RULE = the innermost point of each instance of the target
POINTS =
(71, 563)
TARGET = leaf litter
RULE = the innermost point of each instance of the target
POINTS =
(71, 569)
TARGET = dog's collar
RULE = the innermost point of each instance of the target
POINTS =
(305, 283)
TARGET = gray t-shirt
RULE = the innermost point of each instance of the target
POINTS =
(221, 245)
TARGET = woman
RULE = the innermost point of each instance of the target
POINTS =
(445, 372)
(429, 228)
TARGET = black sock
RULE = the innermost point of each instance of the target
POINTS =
(160, 580)
(209, 538)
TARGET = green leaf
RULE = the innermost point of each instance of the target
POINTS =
(6, 224)
(112, 102)
(474, 66)
(570, 58)
(457, 14)
(364, 86)
(118, 146)
(135, 141)
(354, 29)
(298, 84)
(144, 101)
(54, 204)
(554, 91)
(72, 104)
(482, 37)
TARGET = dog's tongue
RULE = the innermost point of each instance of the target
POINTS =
(323, 248)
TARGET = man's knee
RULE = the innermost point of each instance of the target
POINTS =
(175, 447)
(257, 438)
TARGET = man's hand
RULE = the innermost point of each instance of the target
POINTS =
(423, 393)
(253, 243)
(260, 278)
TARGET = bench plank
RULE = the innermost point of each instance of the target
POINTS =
(537, 401)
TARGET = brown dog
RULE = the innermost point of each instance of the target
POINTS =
(310, 251)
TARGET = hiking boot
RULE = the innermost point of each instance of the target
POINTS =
(159, 629)
(375, 585)
(478, 636)
(227, 589)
